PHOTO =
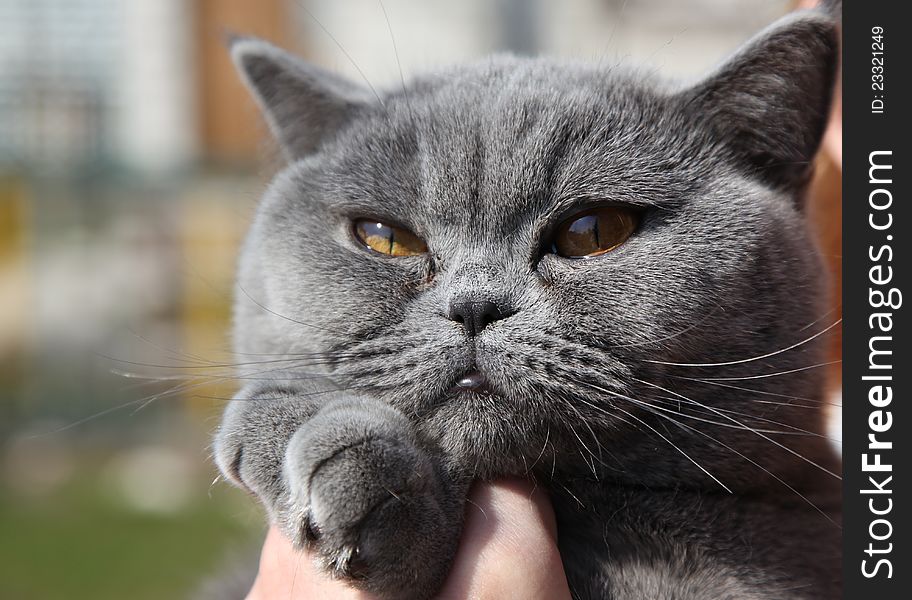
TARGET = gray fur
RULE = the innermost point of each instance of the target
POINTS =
(350, 433)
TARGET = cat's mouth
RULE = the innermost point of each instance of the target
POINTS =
(473, 381)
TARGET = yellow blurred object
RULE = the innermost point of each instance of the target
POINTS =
(14, 283)
(212, 224)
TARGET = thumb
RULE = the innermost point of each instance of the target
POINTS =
(508, 547)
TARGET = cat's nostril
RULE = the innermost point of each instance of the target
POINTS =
(475, 315)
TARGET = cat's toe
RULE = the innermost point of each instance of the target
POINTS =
(360, 488)
(229, 457)
(247, 450)
(297, 524)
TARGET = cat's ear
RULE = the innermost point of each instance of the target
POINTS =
(303, 104)
(770, 103)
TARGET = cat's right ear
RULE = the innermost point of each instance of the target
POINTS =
(303, 104)
(769, 104)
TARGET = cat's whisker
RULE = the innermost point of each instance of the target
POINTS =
(677, 401)
(190, 385)
(222, 372)
(542, 452)
(653, 409)
(187, 386)
(648, 426)
(88, 419)
(676, 447)
(147, 380)
(572, 495)
(753, 462)
(142, 402)
(812, 401)
(589, 464)
(775, 374)
(262, 399)
(755, 358)
(343, 50)
(732, 419)
(215, 481)
(318, 358)
(580, 450)
(651, 342)
(478, 506)
(405, 93)
(180, 354)
(794, 430)
(591, 432)
(285, 317)
(822, 317)
(193, 361)
(294, 576)
(613, 416)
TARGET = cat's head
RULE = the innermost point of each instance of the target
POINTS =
(519, 253)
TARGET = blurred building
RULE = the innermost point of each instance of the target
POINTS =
(131, 157)
(88, 82)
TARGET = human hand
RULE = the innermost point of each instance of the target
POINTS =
(508, 549)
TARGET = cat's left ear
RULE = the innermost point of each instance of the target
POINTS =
(304, 105)
(769, 105)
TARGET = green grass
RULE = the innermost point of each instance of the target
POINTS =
(81, 543)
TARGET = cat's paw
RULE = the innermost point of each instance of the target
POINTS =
(251, 440)
(369, 501)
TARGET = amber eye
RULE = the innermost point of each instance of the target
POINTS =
(388, 239)
(595, 232)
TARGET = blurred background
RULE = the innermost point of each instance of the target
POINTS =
(130, 162)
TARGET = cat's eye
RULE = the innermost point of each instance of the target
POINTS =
(389, 239)
(594, 232)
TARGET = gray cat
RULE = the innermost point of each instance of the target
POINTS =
(554, 270)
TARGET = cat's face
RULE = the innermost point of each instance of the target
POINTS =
(504, 350)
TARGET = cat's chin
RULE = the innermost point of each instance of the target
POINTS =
(485, 432)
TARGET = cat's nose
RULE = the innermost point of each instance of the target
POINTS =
(475, 315)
